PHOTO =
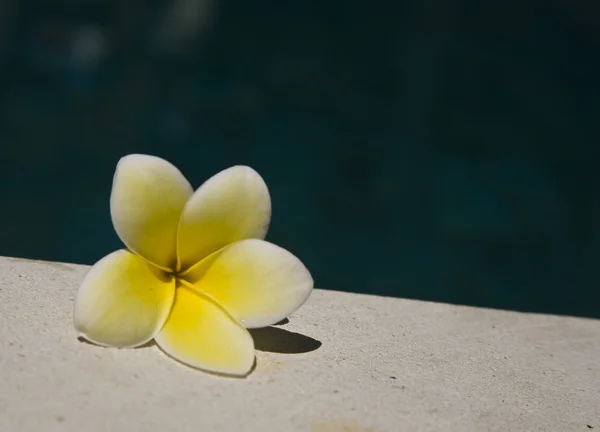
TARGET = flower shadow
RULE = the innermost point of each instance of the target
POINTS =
(209, 372)
(278, 340)
(148, 344)
(152, 343)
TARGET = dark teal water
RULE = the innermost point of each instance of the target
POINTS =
(436, 149)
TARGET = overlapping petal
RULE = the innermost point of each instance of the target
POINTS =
(123, 301)
(258, 282)
(202, 334)
(230, 206)
(146, 202)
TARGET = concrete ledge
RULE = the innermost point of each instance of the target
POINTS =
(344, 362)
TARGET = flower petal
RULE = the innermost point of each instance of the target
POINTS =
(230, 206)
(258, 282)
(123, 301)
(148, 196)
(202, 334)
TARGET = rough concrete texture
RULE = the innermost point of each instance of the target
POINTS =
(343, 362)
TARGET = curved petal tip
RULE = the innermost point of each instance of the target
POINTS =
(202, 334)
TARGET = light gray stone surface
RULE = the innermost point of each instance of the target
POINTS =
(383, 364)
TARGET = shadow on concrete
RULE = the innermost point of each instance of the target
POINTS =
(268, 339)
(278, 340)
(148, 344)
(219, 374)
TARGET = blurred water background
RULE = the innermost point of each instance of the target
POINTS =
(443, 150)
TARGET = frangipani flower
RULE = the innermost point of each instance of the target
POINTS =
(196, 272)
